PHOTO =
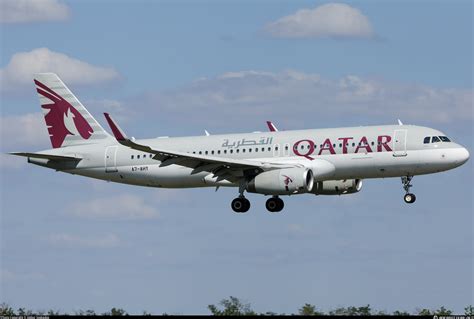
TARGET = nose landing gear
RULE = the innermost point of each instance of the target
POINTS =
(409, 198)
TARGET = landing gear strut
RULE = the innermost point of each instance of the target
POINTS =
(274, 204)
(241, 204)
(409, 197)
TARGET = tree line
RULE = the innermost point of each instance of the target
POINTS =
(233, 306)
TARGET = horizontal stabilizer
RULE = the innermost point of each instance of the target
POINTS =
(47, 156)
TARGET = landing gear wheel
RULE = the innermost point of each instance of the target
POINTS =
(409, 198)
(274, 204)
(240, 205)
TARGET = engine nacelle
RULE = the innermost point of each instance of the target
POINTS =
(285, 181)
(341, 187)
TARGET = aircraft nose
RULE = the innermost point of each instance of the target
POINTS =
(462, 155)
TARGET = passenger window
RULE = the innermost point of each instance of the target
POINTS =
(435, 139)
(225, 151)
(206, 152)
(269, 149)
(263, 149)
(237, 150)
(250, 150)
(243, 150)
(426, 140)
(231, 151)
(138, 156)
(200, 152)
(256, 149)
(445, 139)
(132, 156)
(212, 152)
(286, 148)
(276, 148)
(218, 151)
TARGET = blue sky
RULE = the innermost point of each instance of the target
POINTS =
(177, 68)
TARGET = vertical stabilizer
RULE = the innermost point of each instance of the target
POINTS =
(67, 120)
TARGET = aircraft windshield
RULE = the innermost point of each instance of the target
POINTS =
(435, 139)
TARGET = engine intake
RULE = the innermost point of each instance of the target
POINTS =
(341, 187)
(285, 181)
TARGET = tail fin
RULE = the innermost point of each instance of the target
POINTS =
(68, 121)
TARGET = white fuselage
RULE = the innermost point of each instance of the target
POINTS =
(355, 153)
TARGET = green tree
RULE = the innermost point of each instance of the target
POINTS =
(6, 310)
(424, 312)
(469, 310)
(401, 313)
(309, 310)
(443, 312)
(117, 312)
(51, 312)
(231, 307)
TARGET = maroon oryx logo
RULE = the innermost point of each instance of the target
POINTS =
(62, 118)
(287, 180)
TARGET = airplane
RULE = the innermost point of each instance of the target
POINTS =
(331, 161)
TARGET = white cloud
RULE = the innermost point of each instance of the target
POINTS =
(332, 20)
(21, 67)
(24, 11)
(121, 207)
(68, 240)
(21, 131)
(296, 96)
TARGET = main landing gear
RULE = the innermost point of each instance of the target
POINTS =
(274, 204)
(240, 204)
(409, 197)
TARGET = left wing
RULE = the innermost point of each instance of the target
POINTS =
(222, 168)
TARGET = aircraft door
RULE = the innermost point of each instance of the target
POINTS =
(111, 159)
(400, 143)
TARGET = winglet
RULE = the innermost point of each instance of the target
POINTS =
(271, 127)
(116, 130)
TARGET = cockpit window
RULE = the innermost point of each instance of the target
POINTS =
(444, 139)
(426, 140)
(435, 139)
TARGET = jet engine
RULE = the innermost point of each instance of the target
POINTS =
(285, 181)
(341, 187)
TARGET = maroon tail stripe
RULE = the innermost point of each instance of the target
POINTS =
(47, 89)
(49, 96)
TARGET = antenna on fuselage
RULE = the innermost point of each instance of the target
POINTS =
(207, 133)
(400, 122)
